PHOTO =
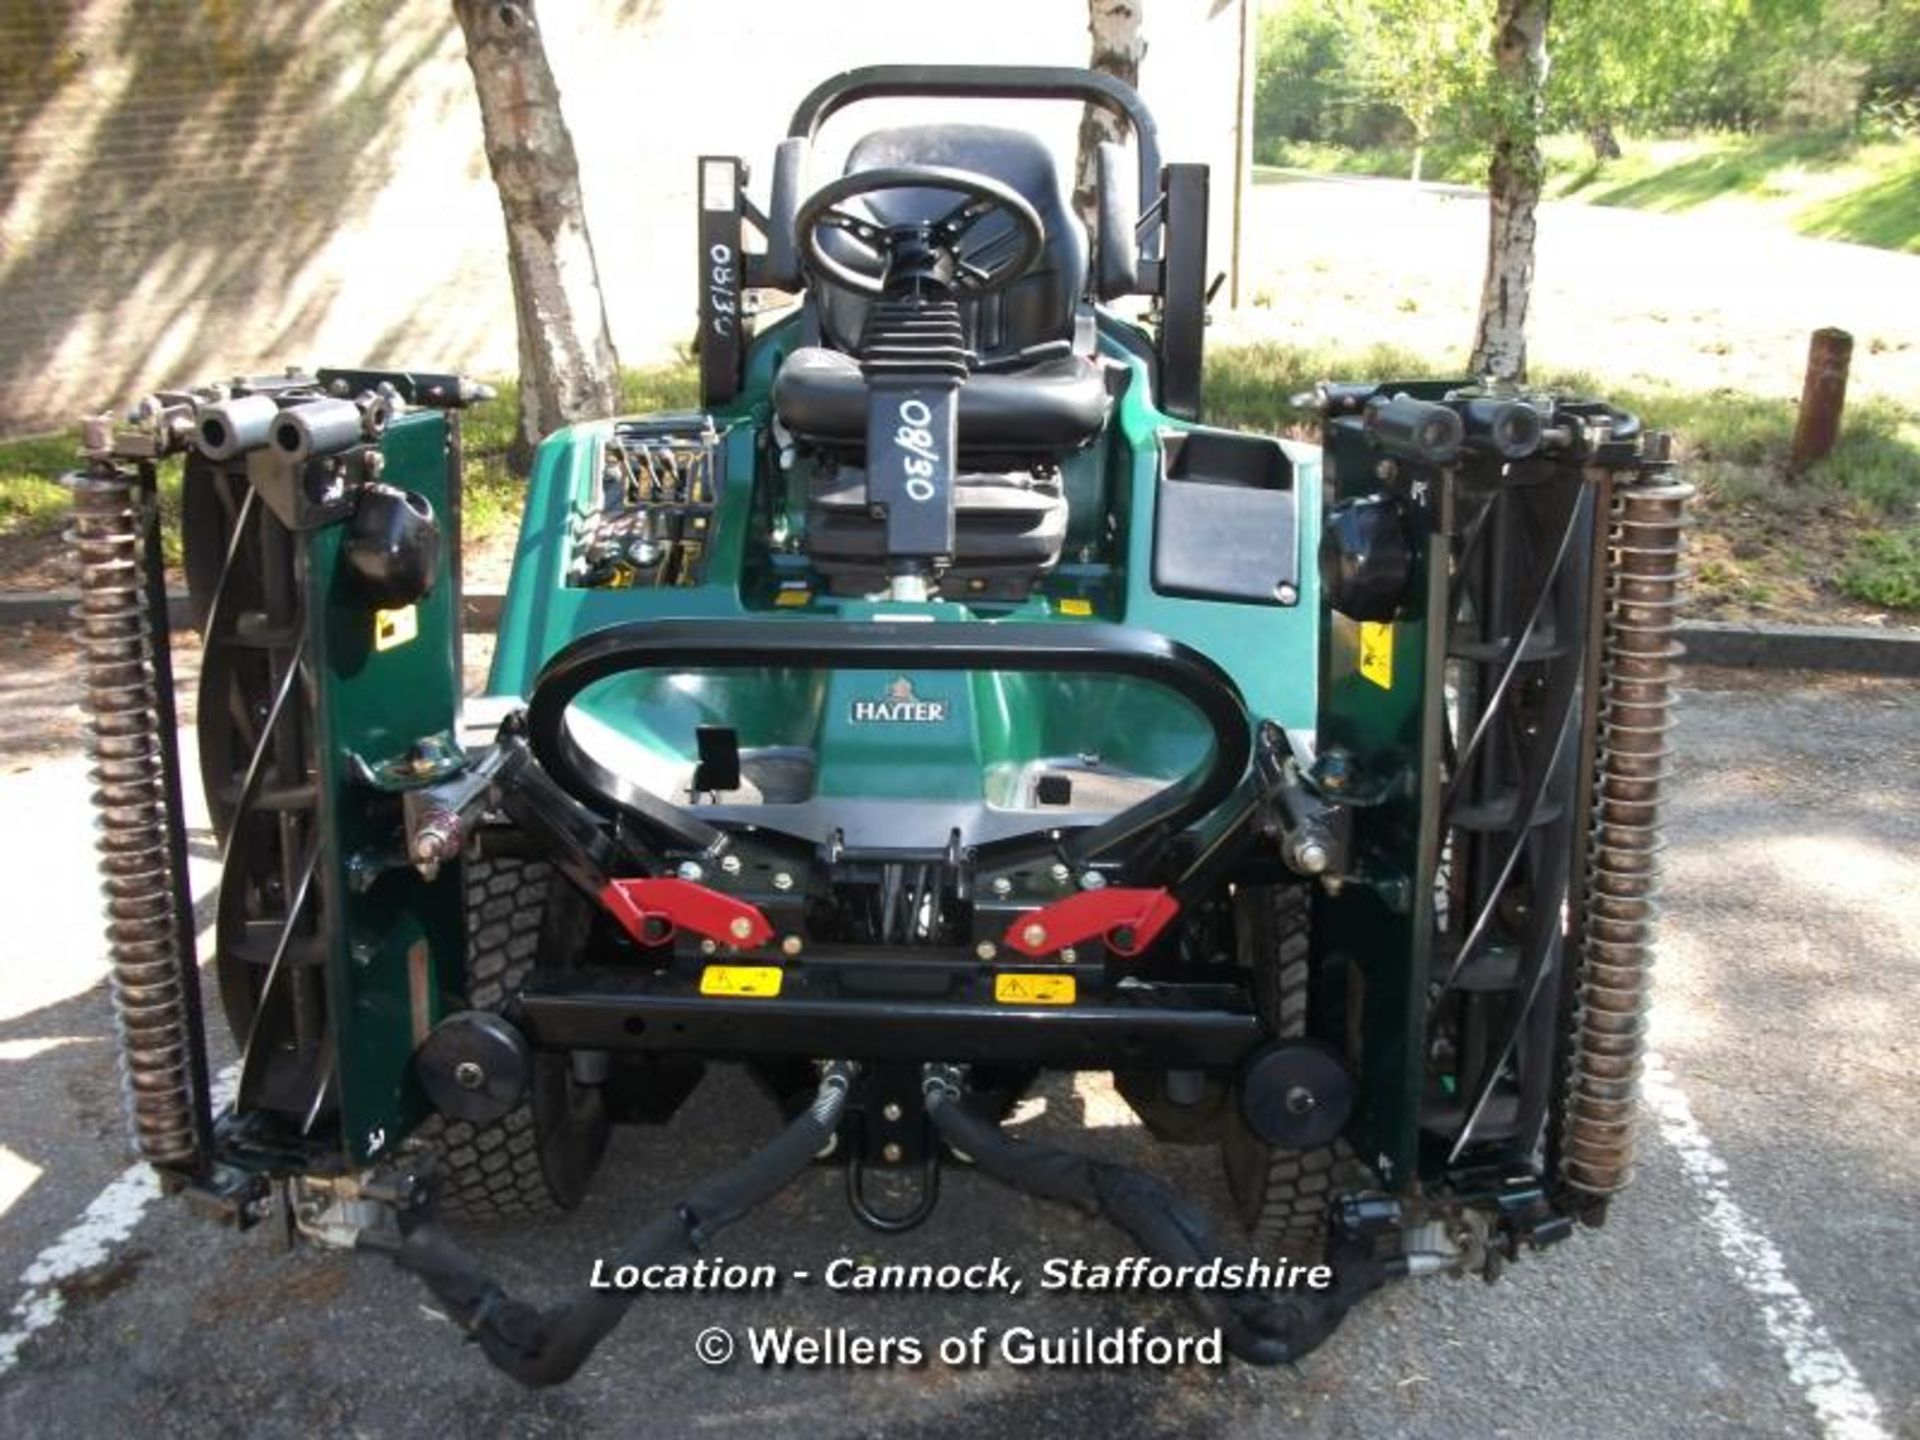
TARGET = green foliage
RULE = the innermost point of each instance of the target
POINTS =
(1885, 213)
(1369, 73)
(1886, 570)
(1299, 80)
(1823, 184)
(1419, 56)
(34, 504)
(1638, 62)
(1363, 73)
(32, 499)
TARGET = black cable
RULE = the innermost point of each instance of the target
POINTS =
(546, 1347)
(1258, 1327)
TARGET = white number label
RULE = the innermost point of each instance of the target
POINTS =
(720, 288)
(915, 436)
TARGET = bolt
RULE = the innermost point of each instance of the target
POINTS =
(1059, 873)
(890, 1112)
(782, 880)
(1002, 886)
(1311, 857)
(986, 950)
(1068, 955)
(1034, 935)
(730, 864)
(1286, 594)
(469, 1076)
(1300, 1101)
(1093, 880)
(740, 927)
(791, 946)
(690, 870)
(891, 1153)
(708, 947)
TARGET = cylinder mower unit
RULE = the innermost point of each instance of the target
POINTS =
(941, 702)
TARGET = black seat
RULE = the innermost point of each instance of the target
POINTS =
(1013, 412)
(1040, 412)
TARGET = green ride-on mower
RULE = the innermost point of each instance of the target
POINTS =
(941, 702)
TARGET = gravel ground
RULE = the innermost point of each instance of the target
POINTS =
(1765, 1285)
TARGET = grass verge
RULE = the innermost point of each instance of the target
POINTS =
(1769, 543)
(1836, 187)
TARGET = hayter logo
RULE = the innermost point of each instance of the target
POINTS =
(901, 706)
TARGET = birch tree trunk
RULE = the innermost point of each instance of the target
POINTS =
(1118, 48)
(1513, 189)
(568, 369)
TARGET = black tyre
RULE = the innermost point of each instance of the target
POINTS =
(539, 1157)
(1283, 1196)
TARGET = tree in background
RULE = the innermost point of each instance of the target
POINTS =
(1114, 26)
(1633, 62)
(568, 368)
(1651, 66)
(1300, 80)
(1417, 56)
(1514, 178)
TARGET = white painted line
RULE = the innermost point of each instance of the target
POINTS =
(109, 1220)
(17, 1176)
(1815, 1363)
(87, 1244)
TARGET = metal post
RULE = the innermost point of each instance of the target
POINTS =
(1242, 149)
(1823, 396)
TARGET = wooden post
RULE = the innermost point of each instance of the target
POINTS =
(1823, 397)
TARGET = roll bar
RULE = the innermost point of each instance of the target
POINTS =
(991, 82)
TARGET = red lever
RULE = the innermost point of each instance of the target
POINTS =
(651, 910)
(1143, 914)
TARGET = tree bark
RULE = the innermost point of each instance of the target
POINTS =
(568, 368)
(1514, 179)
(1118, 48)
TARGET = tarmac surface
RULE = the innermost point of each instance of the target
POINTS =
(1759, 1279)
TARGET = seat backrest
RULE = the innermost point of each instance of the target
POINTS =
(1036, 308)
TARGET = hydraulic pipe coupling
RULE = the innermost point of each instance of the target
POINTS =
(113, 631)
(1637, 677)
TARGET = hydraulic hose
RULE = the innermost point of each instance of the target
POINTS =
(546, 1347)
(1259, 1327)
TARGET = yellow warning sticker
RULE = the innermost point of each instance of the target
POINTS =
(1019, 989)
(791, 598)
(1376, 652)
(755, 980)
(1074, 605)
(394, 628)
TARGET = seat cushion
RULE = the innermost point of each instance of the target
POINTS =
(1043, 411)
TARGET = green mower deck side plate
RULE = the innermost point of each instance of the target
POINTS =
(400, 945)
(1384, 692)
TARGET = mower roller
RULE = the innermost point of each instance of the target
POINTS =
(942, 702)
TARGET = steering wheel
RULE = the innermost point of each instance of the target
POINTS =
(923, 241)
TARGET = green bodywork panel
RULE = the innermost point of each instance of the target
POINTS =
(399, 941)
(995, 720)
(401, 947)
